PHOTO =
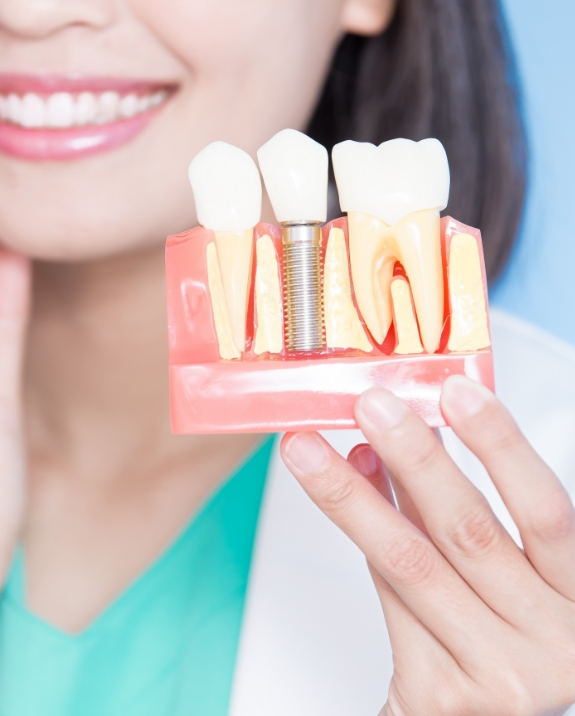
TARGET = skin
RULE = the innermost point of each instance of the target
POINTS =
(93, 482)
(477, 625)
(90, 477)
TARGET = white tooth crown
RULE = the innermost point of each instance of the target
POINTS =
(295, 169)
(227, 188)
(393, 180)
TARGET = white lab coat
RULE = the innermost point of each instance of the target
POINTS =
(314, 641)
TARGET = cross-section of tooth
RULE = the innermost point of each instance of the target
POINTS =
(269, 315)
(406, 330)
(228, 194)
(226, 342)
(469, 330)
(343, 328)
(393, 195)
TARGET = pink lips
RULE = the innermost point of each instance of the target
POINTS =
(74, 142)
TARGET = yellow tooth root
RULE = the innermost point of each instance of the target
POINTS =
(343, 329)
(469, 330)
(270, 330)
(406, 329)
(235, 259)
(375, 247)
(228, 349)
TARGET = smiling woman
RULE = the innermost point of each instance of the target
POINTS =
(125, 551)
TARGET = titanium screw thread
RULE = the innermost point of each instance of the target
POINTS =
(303, 287)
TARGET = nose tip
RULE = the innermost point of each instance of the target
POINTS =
(35, 19)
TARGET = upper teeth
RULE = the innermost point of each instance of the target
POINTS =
(295, 168)
(392, 180)
(61, 110)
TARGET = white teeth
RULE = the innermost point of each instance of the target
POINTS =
(33, 111)
(14, 109)
(227, 188)
(294, 168)
(63, 110)
(108, 107)
(60, 110)
(86, 106)
(392, 180)
(129, 105)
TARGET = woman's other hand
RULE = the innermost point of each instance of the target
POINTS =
(14, 298)
(478, 627)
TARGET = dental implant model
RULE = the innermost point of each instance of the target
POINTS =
(295, 168)
(282, 328)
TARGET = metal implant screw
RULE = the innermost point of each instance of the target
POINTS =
(303, 286)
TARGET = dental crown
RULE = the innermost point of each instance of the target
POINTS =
(227, 188)
(295, 168)
(392, 180)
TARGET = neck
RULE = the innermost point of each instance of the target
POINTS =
(97, 369)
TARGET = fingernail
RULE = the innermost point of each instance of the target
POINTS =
(464, 396)
(382, 408)
(306, 451)
(364, 460)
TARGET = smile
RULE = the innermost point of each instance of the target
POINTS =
(55, 118)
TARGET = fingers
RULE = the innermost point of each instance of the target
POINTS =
(535, 498)
(364, 459)
(405, 558)
(14, 291)
(457, 517)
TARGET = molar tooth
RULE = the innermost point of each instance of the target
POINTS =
(85, 109)
(33, 111)
(60, 110)
(393, 194)
(228, 193)
(3, 107)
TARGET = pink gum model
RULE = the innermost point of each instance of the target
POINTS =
(274, 393)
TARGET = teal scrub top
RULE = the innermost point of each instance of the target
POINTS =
(166, 646)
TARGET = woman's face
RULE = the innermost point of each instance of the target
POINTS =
(89, 176)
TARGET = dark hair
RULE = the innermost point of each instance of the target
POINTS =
(443, 68)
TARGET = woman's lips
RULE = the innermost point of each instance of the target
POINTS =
(51, 118)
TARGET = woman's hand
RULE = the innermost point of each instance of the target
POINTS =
(477, 626)
(14, 293)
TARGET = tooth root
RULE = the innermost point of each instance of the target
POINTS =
(371, 272)
(469, 330)
(375, 247)
(342, 325)
(228, 349)
(406, 330)
(234, 251)
(419, 243)
(269, 331)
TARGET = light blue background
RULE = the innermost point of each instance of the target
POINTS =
(539, 284)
